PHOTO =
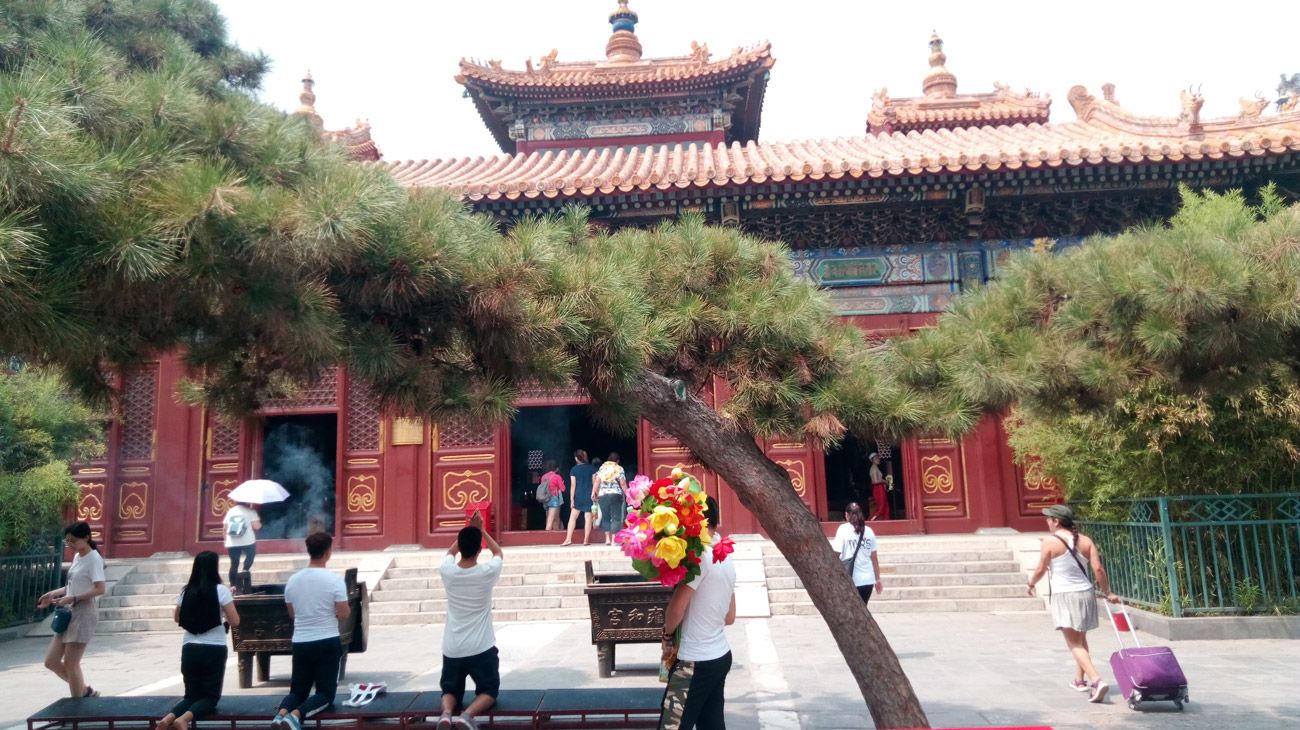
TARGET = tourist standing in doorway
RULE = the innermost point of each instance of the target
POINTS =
(240, 526)
(582, 481)
(199, 610)
(317, 600)
(1074, 605)
(468, 641)
(611, 491)
(703, 609)
(879, 497)
(86, 583)
(554, 487)
(856, 545)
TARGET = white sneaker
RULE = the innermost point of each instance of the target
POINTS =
(1099, 689)
(465, 723)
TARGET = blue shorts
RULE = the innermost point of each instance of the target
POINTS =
(555, 502)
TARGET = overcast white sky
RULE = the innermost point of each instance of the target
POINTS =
(393, 61)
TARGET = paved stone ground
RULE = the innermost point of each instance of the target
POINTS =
(970, 670)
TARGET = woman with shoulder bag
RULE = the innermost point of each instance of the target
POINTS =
(1074, 604)
(610, 492)
(200, 608)
(856, 544)
(86, 583)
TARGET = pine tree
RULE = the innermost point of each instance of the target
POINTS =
(148, 203)
(1160, 361)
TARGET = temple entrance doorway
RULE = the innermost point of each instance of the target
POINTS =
(299, 452)
(848, 468)
(542, 433)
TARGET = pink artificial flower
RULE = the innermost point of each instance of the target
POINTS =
(722, 548)
(637, 539)
(672, 576)
(637, 489)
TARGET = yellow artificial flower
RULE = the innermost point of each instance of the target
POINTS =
(701, 497)
(664, 519)
(671, 550)
(705, 537)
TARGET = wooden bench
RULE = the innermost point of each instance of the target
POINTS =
(534, 709)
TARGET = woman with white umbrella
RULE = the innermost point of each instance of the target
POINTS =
(241, 523)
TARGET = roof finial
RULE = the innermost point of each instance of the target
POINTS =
(623, 45)
(308, 101)
(940, 82)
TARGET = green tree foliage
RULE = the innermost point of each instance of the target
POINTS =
(1160, 361)
(43, 426)
(148, 204)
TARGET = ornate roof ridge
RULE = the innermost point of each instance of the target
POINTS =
(591, 171)
(940, 106)
(355, 139)
(1107, 112)
(551, 72)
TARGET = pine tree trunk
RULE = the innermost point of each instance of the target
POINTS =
(765, 489)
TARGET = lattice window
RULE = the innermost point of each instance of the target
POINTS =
(321, 394)
(658, 434)
(533, 390)
(139, 405)
(363, 418)
(225, 438)
(457, 432)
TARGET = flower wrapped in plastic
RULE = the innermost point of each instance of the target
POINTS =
(667, 530)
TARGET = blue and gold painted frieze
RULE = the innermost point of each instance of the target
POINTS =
(910, 278)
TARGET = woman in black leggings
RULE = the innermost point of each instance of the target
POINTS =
(199, 610)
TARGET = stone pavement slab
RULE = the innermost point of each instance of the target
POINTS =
(970, 670)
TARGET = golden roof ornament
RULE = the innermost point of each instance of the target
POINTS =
(307, 100)
(623, 45)
(939, 83)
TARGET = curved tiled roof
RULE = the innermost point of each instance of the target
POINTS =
(593, 76)
(1097, 138)
(1000, 108)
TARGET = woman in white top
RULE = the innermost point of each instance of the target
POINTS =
(1074, 606)
(240, 526)
(856, 542)
(609, 489)
(86, 583)
(200, 608)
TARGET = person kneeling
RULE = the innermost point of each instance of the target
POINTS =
(468, 642)
(317, 600)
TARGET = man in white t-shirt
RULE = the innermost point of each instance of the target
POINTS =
(703, 609)
(317, 600)
(468, 641)
(240, 526)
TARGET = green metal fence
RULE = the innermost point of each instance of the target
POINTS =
(1202, 554)
(24, 577)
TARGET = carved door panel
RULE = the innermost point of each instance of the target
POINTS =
(939, 470)
(362, 515)
(466, 467)
(798, 458)
(223, 470)
(136, 456)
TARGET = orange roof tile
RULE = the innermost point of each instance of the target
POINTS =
(1104, 134)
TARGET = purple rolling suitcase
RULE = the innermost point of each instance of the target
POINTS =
(1146, 673)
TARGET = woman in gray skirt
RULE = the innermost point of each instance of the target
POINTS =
(86, 582)
(1074, 604)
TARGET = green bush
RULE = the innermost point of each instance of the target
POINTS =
(42, 428)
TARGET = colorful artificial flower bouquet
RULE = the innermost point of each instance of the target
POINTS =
(667, 531)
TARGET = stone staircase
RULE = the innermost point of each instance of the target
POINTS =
(965, 573)
(537, 584)
(979, 573)
(144, 598)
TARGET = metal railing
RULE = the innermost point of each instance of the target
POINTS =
(1202, 554)
(25, 576)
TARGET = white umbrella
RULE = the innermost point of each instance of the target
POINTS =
(258, 491)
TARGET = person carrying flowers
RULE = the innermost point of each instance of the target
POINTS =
(668, 537)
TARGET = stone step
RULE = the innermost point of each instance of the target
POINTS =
(131, 626)
(784, 570)
(888, 558)
(892, 593)
(923, 580)
(939, 605)
(498, 615)
(922, 545)
(425, 594)
(558, 555)
(137, 612)
(262, 562)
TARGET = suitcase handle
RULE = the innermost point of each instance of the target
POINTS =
(1124, 610)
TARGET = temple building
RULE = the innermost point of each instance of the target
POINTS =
(930, 202)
